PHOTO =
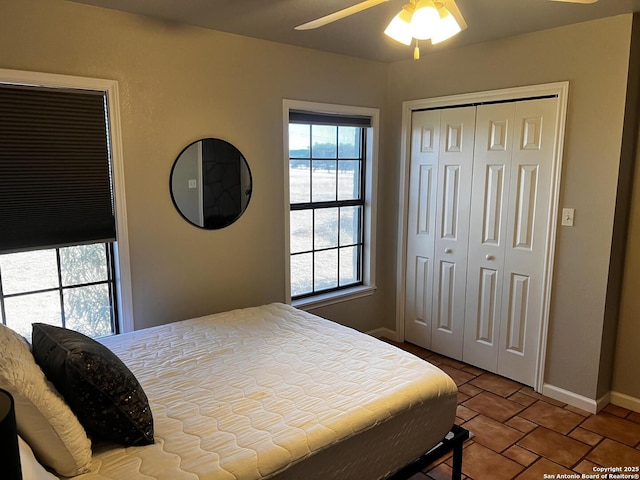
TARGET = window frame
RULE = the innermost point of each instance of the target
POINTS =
(124, 295)
(368, 285)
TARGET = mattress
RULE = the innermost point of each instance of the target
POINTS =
(273, 392)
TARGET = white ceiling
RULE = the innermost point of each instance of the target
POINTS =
(361, 35)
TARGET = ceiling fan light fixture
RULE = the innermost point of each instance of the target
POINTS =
(400, 26)
(447, 27)
(437, 20)
(425, 20)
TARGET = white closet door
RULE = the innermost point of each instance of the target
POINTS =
(425, 145)
(487, 233)
(527, 230)
(479, 217)
(455, 172)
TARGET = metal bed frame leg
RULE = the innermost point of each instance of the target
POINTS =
(456, 473)
(452, 442)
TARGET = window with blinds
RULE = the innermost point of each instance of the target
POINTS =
(327, 201)
(57, 221)
(55, 181)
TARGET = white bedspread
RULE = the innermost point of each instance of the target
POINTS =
(247, 393)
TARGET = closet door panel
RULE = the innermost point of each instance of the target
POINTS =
(487, 234)
(425, 146)
(516, 320)
(455, 171)
(486, 321)
(527, 231)
(478, 232)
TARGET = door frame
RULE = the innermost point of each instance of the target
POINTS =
(559, 89)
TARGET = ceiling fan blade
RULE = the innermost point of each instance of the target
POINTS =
(345, 12)
(455, 11)
(576, 1)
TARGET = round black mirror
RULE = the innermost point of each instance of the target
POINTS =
(211, 183)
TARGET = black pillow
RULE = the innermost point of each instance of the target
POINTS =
(100, 389)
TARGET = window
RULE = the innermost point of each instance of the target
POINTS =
(60, 164)
(330, 170)
(71, 287)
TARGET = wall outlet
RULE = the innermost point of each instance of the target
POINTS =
(567, 216)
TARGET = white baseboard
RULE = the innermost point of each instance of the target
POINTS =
(584, 403)
(626, 401)
(383, 332)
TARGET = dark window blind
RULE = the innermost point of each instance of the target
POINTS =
(298, 116)
(55, 175)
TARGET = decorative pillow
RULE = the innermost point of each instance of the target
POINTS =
(43, 418)
(31, 469)
(98, 386)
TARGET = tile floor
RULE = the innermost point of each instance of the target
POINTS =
(520, 434)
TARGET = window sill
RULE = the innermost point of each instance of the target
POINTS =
(331, 298)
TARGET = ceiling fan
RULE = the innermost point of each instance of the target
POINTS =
(359, 7)
(434, 20)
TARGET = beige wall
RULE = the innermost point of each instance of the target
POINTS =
(593, 57)
(627, 359)
(621, 333)
(627, 352)
(178, 84)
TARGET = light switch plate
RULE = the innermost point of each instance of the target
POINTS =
(567, 216)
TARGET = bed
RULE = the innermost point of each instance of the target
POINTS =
(273, 392)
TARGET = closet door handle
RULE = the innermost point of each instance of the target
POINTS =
(489, 257)
(448, 250)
